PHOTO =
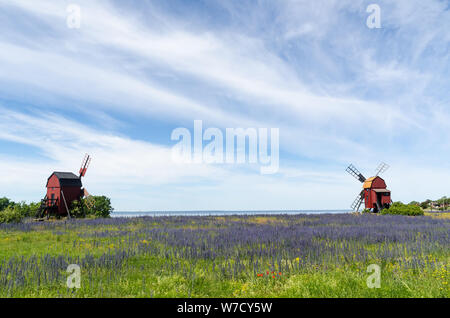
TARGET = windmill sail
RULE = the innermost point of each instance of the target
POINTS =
(358, 201)
(85, 165)
(355, 173)
(89, 199)
(381, 168)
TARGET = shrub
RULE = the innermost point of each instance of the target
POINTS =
(99, 206)
(399, 208)
(11, 215)
(16, 212)
(27, 210)
(78, 209)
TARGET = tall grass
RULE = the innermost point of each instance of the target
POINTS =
(236, 256)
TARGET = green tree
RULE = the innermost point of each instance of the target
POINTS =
(101, 206)
(445, 202)
(97, 206)
(4, 203)
(425, 204)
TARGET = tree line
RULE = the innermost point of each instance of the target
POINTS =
(13, 212)
(441, 204)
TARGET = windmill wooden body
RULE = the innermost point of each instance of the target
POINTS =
(63, 188)
(374, 194)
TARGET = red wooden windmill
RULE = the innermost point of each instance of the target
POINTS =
(62, 189)
(375, 194)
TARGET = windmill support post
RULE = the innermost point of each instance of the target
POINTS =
(65, 204)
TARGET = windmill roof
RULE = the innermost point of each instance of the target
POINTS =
(369, 183)
(66, 175)
(67, 179)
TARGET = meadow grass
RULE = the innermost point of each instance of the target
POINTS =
(443, 215)
(181, 257)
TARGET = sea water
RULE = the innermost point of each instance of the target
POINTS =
(122, 214)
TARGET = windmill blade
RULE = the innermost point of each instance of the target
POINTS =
(89, 199)
(355, 173)
(358, 201)
(381, 168)
(85, 165)
(89, 202)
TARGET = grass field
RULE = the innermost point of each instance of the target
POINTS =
(233, 256)
(444, 215)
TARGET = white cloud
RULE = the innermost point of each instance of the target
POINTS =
(236, 63)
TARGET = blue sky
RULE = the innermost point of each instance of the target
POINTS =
(116, 88)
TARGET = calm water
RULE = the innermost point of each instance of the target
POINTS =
(221, 213)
